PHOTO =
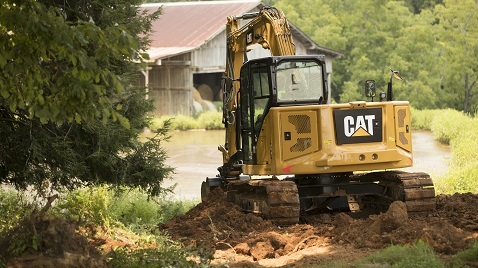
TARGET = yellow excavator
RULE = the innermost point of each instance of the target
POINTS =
(289, 152)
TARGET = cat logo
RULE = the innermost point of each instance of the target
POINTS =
(358, 125)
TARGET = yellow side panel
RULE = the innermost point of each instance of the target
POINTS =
(298, 133)
(403, 132)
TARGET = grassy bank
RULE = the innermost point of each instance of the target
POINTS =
(461, 133)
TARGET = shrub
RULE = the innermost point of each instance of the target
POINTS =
(178, 122)
(139, 212)
(210, 120)
(13, 208)
(89, 204)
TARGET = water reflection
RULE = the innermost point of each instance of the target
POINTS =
(195, 156)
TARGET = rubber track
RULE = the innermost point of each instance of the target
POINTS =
(272, 199)
(414, 188)
(279, 200)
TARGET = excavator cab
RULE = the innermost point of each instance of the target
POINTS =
(276, 82)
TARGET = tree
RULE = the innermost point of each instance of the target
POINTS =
(70, 114)
(458, 35)
(374, 36)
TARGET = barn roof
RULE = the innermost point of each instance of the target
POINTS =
(185, 26)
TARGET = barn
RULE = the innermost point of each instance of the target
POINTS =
(188, 53)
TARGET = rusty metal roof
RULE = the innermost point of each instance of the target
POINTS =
(184, 26)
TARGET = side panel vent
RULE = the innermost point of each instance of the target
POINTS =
(301, 145)
(301, 123)
(402, 114)
(298, 133)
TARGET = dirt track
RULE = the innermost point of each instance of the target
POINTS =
(245, 240)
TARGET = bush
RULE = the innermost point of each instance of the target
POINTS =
(135, 210)
(210, 120)
(88, 205)
(206, 120)
(13, 208)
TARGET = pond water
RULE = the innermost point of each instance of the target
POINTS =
(195, 156)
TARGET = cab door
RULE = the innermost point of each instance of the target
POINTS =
(255, 102)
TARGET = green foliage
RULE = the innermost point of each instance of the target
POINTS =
(206, 120)
(419, 254)
(422, 119)
(211, 120)
(16, 230)
(69, 112)
(431, 42)
(89, 204)
(458, 39)
(13, 208)
(61, 64)
(132, 208)
(129, 212)
(137, 211)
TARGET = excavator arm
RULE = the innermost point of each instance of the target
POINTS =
(268, 28)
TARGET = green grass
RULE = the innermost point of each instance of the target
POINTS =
(466, 258)
(417, 255)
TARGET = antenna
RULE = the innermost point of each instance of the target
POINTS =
(389, 89)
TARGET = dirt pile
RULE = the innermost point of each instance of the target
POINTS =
(56, 244)
(222, 226)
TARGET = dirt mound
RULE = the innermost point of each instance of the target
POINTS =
(215, 223)
(246, 238)
(395, 228)
(57, 244)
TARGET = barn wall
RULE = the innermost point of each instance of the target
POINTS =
(211, 56)
(170, 88)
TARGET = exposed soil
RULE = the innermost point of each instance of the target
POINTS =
(246, 240)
